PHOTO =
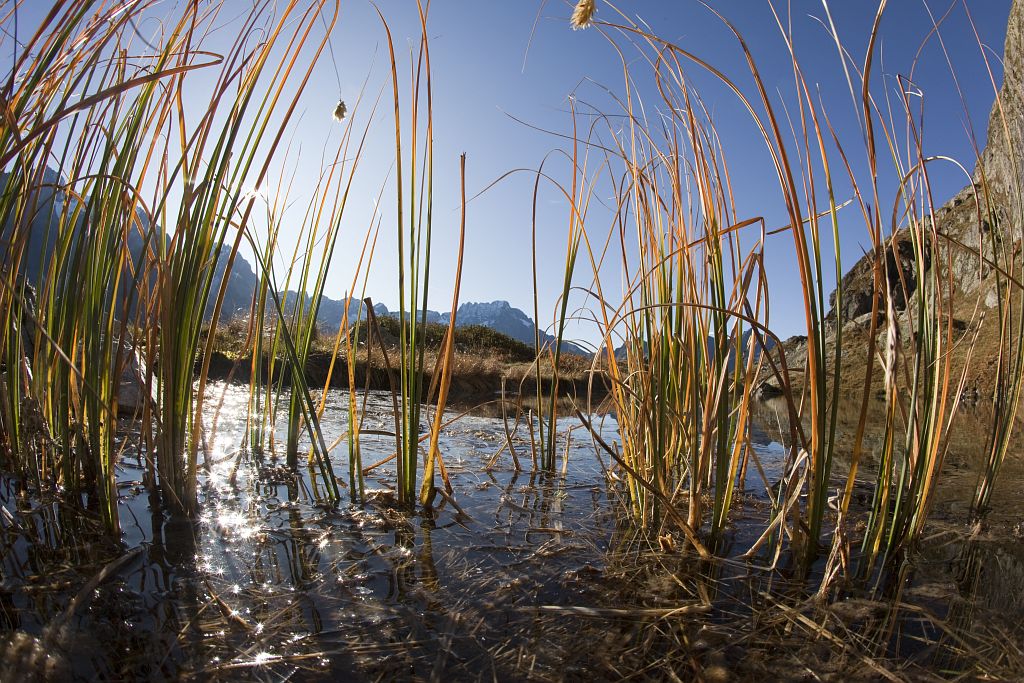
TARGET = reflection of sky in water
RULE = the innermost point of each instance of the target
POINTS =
(268, 516)
(466, 439)
(463, 438)
(292, 575)
(265, 532)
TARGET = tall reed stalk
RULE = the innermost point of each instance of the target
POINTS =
(75, 98)
(217, 161)
(349, 333)
(318, 238)
(414, 221)
(550, 354)
(681, 378)
(443, 370)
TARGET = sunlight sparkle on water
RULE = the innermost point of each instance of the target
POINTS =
(227, 409)
(263, 658)
(236, 523)
(207, 565)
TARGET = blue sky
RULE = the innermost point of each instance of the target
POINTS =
(496, 62)
(493, 61)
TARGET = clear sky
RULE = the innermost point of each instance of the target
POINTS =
(496, 62)
(490, 64)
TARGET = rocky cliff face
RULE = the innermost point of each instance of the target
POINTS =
(998, 176)
(981, 221)
(1000, 165)
(983, 217)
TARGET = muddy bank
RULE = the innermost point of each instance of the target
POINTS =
(474, 379)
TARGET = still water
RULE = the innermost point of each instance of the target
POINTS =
(531, 577)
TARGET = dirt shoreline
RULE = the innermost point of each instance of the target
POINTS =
(481, 382)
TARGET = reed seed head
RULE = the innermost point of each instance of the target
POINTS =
(340, 111)
(583, 14)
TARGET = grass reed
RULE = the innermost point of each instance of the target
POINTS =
(694, 318)
(116, 258)
(147, 202)
(414, 224)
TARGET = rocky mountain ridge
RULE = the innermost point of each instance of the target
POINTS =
(243, 280)
(499, 316)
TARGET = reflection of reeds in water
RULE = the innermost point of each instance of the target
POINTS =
(270, 584)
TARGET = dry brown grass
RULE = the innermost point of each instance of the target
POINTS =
(477, 371)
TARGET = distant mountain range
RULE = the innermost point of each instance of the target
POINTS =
(499, 316)
(243, 281)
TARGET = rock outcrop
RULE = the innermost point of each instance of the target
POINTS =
(857, 284)
(979, 220)
(982, 224)
(1000, 165)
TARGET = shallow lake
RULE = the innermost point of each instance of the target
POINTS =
(534, 576)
